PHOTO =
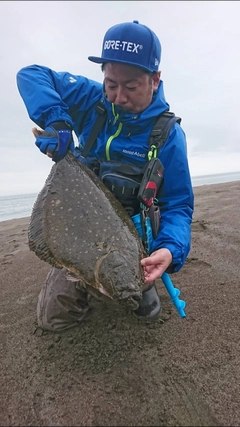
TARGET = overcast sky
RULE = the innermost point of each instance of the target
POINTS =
(200, 70)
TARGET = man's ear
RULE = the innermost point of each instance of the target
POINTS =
(156, 79)
(104, 90)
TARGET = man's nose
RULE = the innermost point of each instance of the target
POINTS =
(120, 97)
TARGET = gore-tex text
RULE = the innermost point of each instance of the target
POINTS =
(122, 45)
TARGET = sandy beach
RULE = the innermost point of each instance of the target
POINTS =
(114, 370)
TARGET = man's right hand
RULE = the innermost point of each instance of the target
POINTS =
(55, 140)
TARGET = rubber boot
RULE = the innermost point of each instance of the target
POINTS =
(149, 306)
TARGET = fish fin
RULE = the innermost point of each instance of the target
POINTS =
(103, 291)
(99, 286)
(71, 277)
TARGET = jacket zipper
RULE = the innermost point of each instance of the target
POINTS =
(110, 140)
(113, 136)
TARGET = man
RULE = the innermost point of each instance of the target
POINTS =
(132, 94)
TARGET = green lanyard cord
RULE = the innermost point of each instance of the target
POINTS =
(116, 116)
(152, 152)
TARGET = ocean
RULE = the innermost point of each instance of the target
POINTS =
(20, 206)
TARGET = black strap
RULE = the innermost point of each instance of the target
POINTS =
(120, 190)
(98, 125)
(162, 128)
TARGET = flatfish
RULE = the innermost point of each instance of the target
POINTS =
(77, 223)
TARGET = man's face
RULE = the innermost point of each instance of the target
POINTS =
(129, 87)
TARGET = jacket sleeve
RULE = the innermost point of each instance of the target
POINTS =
(51, 96)
(176, 200)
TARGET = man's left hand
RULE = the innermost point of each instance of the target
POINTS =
(155, 265)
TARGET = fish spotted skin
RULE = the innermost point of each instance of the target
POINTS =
(77, 223)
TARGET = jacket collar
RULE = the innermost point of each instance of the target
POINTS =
(135, 123)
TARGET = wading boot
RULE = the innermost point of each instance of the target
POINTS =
(149, 306)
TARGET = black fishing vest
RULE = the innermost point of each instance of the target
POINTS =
(123, 179)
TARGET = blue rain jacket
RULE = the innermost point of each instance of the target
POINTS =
(51, 96)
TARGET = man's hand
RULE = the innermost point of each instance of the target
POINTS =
(55, 140)
(155, 265)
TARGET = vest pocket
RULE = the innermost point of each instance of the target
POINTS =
(123, 180)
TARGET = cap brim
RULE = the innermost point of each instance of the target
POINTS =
(98, 60)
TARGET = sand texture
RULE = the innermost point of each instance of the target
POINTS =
(114, 370)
